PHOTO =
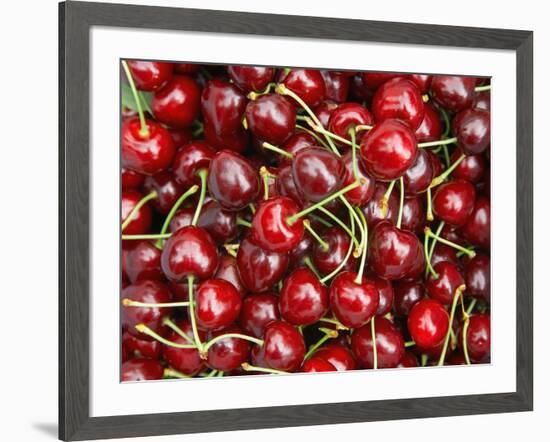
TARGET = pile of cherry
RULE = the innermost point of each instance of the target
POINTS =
(299, 220)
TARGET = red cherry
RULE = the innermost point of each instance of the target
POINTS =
(271, 118)
(150, 75)
(443, 253)
(251, 78)
(182, 218)
(184, 360)
(477, 273)
(149, 153)
(443, 287)
(348, 115)
(428, 322)
(373, 80)
(177, 103)
(405, 295)
(223, 106)
(478, 337)
(143, 262)
(308, 84)
(228, 353)
(219, 223)
(482, 101)
(419, 176)
(388, 150)
(324, 112)
(472, 127)
(141, 370)
(362, 194)
(237, 141)
(390, 345)
(413, 214)
(287, 187)
(303, 299)
(338, 356)
(130, 179)
(186, 68)
(327, 260)
(297, 142)
(218, 304)
(140, 348)
(373, 210)
(385, 294)
(257, 311)
(180, 136)
(189, 159)
(301, 251)
(317, 365)
(454, 93)
(228, 271)
(477, 229)
(167, 188)
(190, 251)
(336, 85)
(453, 202)
(284, 347)
(142, 219)
(472, 168)
(423, 82)
(430, 129)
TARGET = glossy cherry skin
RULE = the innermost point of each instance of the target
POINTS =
(478, 337)
(142, 219)
(303, 299)
(284, 347)
(385, 294)
(219, 223)
(338, 244)
(394, 253)
(472, 168)
(317, 173)
(353, 303)
(232, 181)
(324, 112)
(270, 228)
(167, 188)
(405, 295)
(388, 150)
(430, 129)
(259, 268)
(373, 210)
(190, 251)
(130, 179)
(444, 253)
(482, 101)
(180, 136)
(177, 103)
(338, 356)
(373, 80)
(189, 159)
(251, 78)
(184, 360)
(428, 322)
(257, 311)
(153, 292)
(287, 187)
(362, 194)
(223, 106)
(228, 271)
(301, 251)
(422, 82)
(443, 288)
(271, 118)
(150, 75)
(390, 345)
(419, 176)
(454, 93)
(218, 304)
(182, 218)
(237, 141)
(308, 84)
(186, 68)
(336, 86)
(477, 229)
(348, 115)
(408, 360)
(146, 154)
(143, 262)
(140, 369)
(472, 127)
(413, 214)
(140, 348)
(399, 98)
(229, 353)
(297, 142)
(477, 273)
(317, 365)
(453, 202)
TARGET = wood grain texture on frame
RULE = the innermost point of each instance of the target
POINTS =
(75, 20)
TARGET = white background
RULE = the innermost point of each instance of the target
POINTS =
(28, 220)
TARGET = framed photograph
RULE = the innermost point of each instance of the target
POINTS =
(271, 221)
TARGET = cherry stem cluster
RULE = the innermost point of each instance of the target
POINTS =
(137, 208)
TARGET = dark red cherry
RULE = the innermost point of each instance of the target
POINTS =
(186, 68)
(444, 253)
(362, 194)
(336, 85)
(140, 348)
(287, 187)
(228, 271)
(180, 136)
(142, 219)
(452, 233)
(477, 273)
(259, 268)
(394, 253)
(430, 129)
(437, 165)
(130, 179)
(408, 360)
(353, 303)
(229, 353)
(284, 347)
(405, 295)
(453, 202)
(184, 360)
(478, 337)
(223, 106)
(189, 159)
(149, 153)
(477, 229)
(303, 299)
(177, 103)
(317, 173)
(167, 188)
(373, 80)
(472, 127)
(232, 180)
(456, 358)
(422, 82)
(338, 356)
(271, 118)
(143, 262)
(399, 98)
(301, 251)
(428, 323)
(237, 141)
(324, 112)
(390, 345)
(388, 150)
(482, 101)
(182, 218)
(219, 223)
(308, 84)
(190, 251)
(443, 287)
(141, 370)
(385, 294)
(251, 78)
(270, 228)
(348, 115)
(338, 245)
(373, 210)
(297, 142)
(150, 75)
(152, 292)
(413, 214)
(419, 176)
(218, 304)
(258, 310)
(452, 92)
(317, 365)
(472, 168)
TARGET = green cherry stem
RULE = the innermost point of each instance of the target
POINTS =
(383, 203)
(254, 95)
(210, 343)
(247, 367)
(265, 178)
(142, 328)
(192, 190)
(343, 225)
(276, 149)
(242, 222)
(429, 267)
(146, 236)
(458, 294)
(471, 307)
(374, 349)
(320, 220)
(352, 133)
(212, 374)
(317, 127)
(328, 334)
(169, 323)
(130, 303)
(447, 123)
(362, 127)
(338, 324)
(203, 174)
(429, 209)
(314, 135)
(231, 249)
(364, 246)
(171, 373)
(470, 253)
(431, 250)
(196, 337)
(437, 143)
(410, 344)
(483, 88)
(136, 209)
(354, 217)
(324, 244)
(401, 202)
(443, 176)
(144, 131)
(311, 266)
(345, 260)
(446, 155)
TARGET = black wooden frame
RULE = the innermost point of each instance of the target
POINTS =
(75, 20)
